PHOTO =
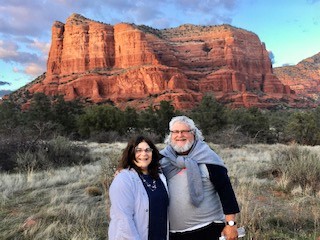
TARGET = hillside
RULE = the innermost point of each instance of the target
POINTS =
(303, 78)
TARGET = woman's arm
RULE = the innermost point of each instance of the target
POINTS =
(122, 198)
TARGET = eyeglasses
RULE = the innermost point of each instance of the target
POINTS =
(181, 131)
(140, 150)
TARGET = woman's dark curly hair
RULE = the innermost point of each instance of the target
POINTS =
(128, 157)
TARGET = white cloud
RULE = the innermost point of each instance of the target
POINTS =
(25, 26)
(43, 47)
(8, 50)
(34, 69)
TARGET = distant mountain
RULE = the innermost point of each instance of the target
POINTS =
(4, 92)
(131, 65)
(303, 78)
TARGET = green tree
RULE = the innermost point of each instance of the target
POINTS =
(316, 113)
(39, 117)
(99, 118)
(278, 121)
(148, 120)
(10, 115)
(163, 115)
(65, 114)
(130, 119)
(210, 115)
(40, 108)
(302, 127)
(252, 122)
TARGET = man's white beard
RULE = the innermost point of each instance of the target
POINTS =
(184, 148)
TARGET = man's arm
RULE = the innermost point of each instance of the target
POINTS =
(221, 181)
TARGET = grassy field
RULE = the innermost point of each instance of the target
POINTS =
(72, 202)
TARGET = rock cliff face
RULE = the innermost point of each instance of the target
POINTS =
(132, 65)
(303, 78)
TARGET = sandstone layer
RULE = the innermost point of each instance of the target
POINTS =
(132, 65)
(303, 78)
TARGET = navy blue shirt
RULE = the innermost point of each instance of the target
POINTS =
(221, 181)
(158, 205)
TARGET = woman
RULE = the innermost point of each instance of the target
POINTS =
(138, 195)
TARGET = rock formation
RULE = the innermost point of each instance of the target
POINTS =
(132, 65)
(303, 78)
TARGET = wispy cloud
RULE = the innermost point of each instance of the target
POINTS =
(34, 69)
(29, 18)
(33, 64)
(26, 25)
(4, 83)
(10, 52)
(34, 18)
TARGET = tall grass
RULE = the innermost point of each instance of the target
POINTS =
(55, 202)
(72, 202)
(297, 167)
(57, 152)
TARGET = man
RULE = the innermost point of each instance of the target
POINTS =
(202, 202)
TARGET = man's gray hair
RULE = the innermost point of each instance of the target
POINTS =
(188, 121)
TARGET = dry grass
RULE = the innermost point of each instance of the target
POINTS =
(67, 203)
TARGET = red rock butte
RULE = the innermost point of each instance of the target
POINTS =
(131, 65)
(303, 78)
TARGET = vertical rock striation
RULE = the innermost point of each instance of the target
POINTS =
(138, 65)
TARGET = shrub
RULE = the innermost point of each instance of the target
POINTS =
(297, 167)
(58, 152)
(105, 136)
(7, 164)
(17, 141)
(154, 137)
(230, 137)
(93, 191)
(108, 170)
(109, 167)
(62, 152)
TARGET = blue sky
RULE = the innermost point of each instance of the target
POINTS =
(289, 28)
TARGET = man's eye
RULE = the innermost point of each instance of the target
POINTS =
(181, 131)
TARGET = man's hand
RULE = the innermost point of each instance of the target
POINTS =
(230, 232)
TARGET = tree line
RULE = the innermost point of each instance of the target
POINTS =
(47, 117)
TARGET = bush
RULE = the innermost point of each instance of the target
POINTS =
(154, 137)
(17, 141)
(93, 191)
(7, 163)
(62, 152)
(252, 122)
(297, 167)
(105, 136)
(109, 167)
(107, 173)
(230, 137)
(58, 152)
